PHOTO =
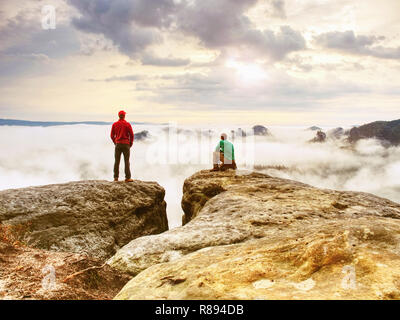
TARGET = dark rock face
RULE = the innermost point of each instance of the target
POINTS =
(142, 135)
(195, 196)
(386, 131)
(253, 236)
(260, 131)
(319, 138)
(93, 217)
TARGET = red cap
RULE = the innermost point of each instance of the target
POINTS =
(121, 113)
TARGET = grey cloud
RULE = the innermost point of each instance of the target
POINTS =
(277, 44)
(196, 82)
(129, 40)
(218, 90)
(16, 65)
(348, 42)
(94, 43)
(56, 43)
(27, 49)
(183, 84)
(216, 23)
(23, 35)
(224, 24)
(131, 25)
(385, 53)
(135, 25)
(150, 59)
(305, 64)
(133, 77)
(278, 9)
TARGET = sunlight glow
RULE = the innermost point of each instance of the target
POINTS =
(247, 73)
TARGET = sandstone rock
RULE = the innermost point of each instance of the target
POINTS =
(325, 261)
(93, 217)
(252, 236)
(35, 274)
(386, 131)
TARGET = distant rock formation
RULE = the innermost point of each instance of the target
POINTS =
(174, 130)
(336, 133)
(252, 236)
(314, 128)
(319, 138)
(25, 123)
(386, 131)
(142, 135)
(241, 133)
(93, 217)
(260, 131)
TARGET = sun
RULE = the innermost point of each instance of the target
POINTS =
(247, 73)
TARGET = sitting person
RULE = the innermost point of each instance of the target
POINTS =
(224, 154)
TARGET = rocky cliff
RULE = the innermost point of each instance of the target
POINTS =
(386, 131)
(93, 217)
(252, 236)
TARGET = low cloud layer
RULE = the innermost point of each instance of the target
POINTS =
(69, 153)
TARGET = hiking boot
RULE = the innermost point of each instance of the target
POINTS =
(128, 180)
(115, 179)
(216, 168)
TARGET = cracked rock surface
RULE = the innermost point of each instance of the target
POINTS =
(92, 217)
(252, 236)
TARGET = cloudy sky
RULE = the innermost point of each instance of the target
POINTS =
(282, 62)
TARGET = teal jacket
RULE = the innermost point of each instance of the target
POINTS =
(227, 149)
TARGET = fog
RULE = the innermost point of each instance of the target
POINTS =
(36, 156)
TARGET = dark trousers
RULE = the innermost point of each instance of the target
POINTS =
(225, 163)
(126, 150)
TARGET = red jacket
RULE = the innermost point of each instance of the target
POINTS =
(122, 132)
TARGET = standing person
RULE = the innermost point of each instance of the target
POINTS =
(122, 136)
(224, 153)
